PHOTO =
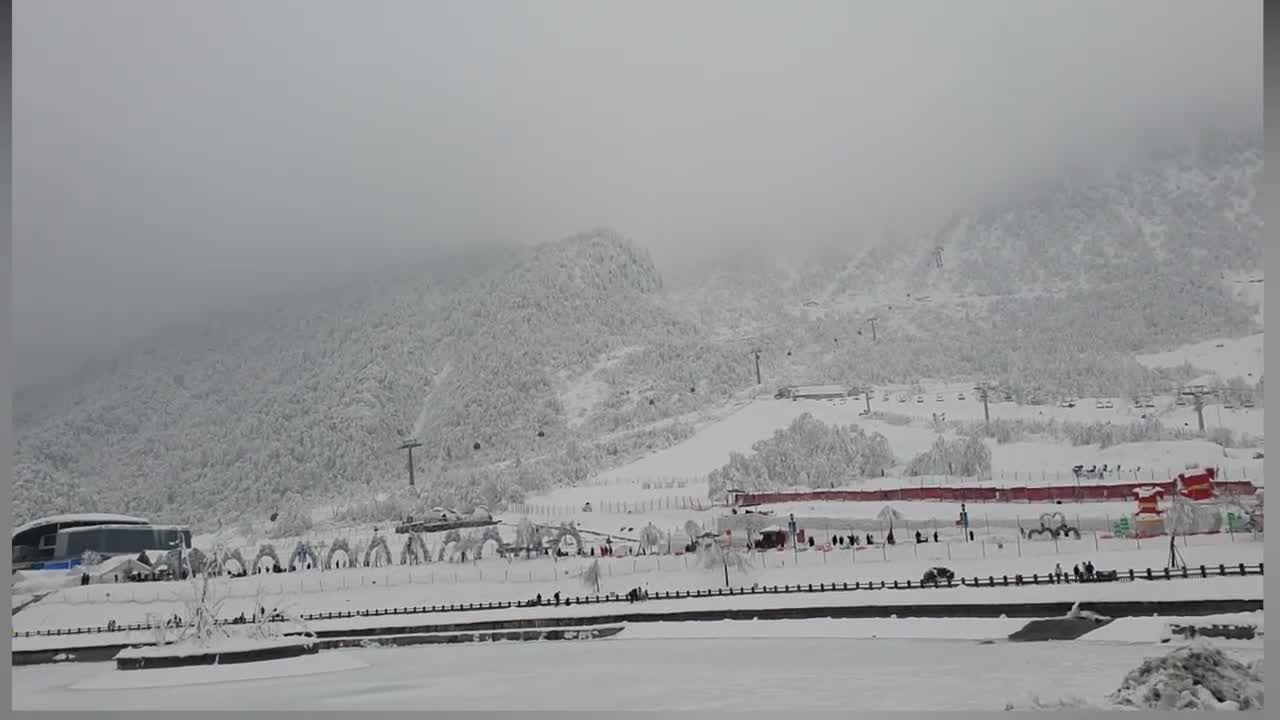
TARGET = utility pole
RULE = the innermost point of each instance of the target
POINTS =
(757, 354)
(937, 256)
(410, 445)
(873, 328)
(1197, 396)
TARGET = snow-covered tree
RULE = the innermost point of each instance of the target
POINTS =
(527, 535)
(692, 529)
(591, 575)
(650, 538)
(202, 611)
(717, 555)
(89, 558)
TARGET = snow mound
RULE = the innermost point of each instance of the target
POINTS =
(1197, 676)
(1077, 614)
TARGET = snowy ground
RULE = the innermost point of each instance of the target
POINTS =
(1248, 587)
(90, 606)
(810, 665)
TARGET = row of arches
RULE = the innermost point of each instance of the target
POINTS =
(340, 554)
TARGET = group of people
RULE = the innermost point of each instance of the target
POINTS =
(553, 600)
(1081, 573)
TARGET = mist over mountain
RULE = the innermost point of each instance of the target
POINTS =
(532, 366)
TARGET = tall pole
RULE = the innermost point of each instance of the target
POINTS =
(866, 392)
(758, 380)
(984, 392)
(410, 445)
(873, 329)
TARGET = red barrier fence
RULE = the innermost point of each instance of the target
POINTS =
(1046, 494)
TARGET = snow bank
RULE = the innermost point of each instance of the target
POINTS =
(219, 645)
(305, 665)
(1197, 676)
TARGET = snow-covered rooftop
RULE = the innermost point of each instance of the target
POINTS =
(79, 517)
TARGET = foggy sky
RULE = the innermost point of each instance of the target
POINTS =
(172, 155)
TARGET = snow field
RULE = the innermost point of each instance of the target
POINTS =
(728, 673)
(399, 586)
(1121, 630)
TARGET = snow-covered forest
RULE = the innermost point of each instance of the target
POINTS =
(544, 365)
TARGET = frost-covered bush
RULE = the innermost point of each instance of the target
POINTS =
(1222, 436)
(965, 457)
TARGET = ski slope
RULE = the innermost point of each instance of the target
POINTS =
(690, 461)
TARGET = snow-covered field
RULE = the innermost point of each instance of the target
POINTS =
(497, 580)
(1225, 588)
(770, 666)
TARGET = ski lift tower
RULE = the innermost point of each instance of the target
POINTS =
(410, 445)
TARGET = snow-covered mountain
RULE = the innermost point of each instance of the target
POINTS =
(1056, 288)
(547, 364)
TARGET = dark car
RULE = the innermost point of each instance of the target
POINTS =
(937, 576)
